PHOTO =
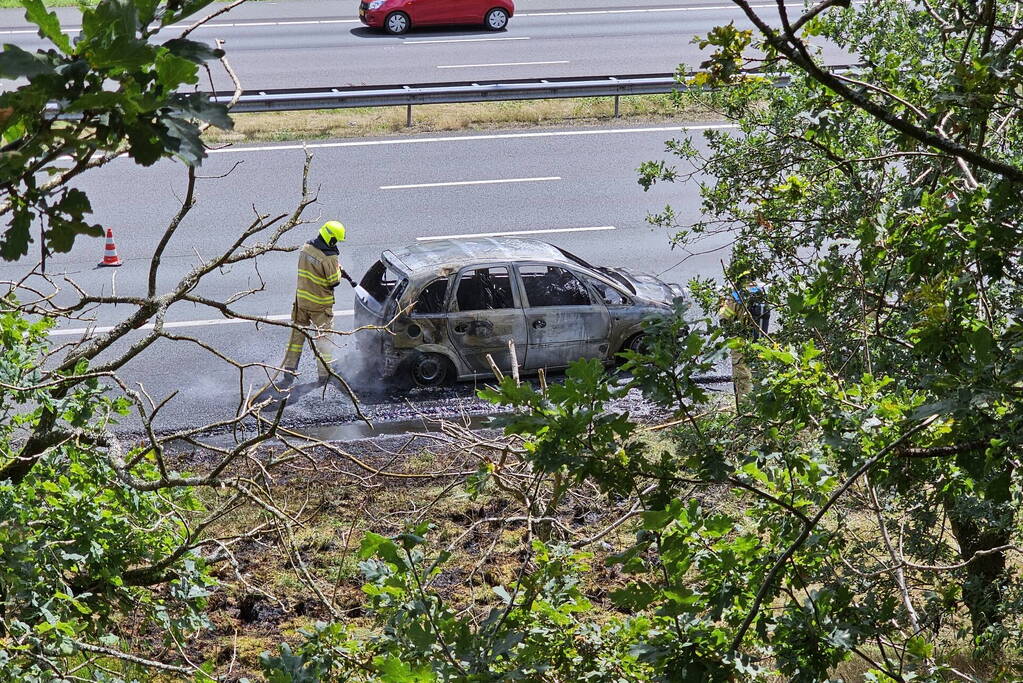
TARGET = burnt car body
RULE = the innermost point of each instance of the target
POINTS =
(435, 310)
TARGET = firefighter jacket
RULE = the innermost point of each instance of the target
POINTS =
(318, 274)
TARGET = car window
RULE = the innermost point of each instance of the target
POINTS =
(432, 298)
(484, 289)
(396, 293)
(553, 286)
(608, 294)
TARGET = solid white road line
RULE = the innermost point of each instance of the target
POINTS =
(473, 66)
(470, 138)
(471, 182)
(516, 232)
(89, 331)
(461, 40)
(225, 24)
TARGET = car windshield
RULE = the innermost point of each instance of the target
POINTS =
(575, 259)
(617, 277)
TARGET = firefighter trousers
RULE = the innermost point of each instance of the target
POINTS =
(317, 325)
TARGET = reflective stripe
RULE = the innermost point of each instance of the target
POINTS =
(318, 275)
(324, 300)
(312, 277)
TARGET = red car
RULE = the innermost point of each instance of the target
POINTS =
(398, 16)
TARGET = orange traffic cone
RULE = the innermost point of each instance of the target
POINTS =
(110, 257)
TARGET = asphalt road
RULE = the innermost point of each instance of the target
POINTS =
(309, 43)
(389, 192)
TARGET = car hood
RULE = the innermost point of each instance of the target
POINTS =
(648, 286)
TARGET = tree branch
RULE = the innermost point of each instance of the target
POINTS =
(790, 46)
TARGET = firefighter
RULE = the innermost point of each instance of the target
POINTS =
(319, 272)
(745, 315)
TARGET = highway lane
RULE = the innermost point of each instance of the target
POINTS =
(389, 192)
(299, 44)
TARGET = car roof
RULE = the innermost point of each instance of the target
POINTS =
(433, 255)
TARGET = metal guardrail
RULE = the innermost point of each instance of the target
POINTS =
(344, 97)
(467, 91)
(446, 93)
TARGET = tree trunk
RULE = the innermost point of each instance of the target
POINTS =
(986, 578)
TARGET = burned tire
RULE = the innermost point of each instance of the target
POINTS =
(430, 370)
(637, 343)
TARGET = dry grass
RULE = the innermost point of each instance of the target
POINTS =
(363, 122)
(273, 601)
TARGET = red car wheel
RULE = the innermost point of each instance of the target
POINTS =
(397, 23)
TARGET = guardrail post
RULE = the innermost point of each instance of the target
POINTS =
(408, 109)
(615, 81)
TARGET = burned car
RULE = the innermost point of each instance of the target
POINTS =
(436, 310)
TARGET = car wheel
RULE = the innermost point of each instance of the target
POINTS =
(430, 370)
(397, 23)
(637, 343)
(496, 19)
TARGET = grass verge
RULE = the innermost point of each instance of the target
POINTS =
(364, 122)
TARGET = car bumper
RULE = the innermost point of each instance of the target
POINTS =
(373, 19)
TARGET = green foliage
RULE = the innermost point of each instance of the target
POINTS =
(536, 631)
(110, 89)
(675, 352)
(569, 424)
(727, 60)
(79, 549)
(894, 271)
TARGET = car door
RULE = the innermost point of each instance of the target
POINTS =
(484, 316)
(425, 12)
(564, 322)
(422, 11)
(473, 10)
(461, 12)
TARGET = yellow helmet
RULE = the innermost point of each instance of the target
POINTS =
(332, 231)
